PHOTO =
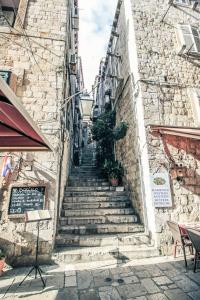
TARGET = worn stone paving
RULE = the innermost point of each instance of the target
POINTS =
(146, 281)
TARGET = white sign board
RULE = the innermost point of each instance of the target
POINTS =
(161, 190)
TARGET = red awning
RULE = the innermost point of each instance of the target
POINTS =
(18, 131)
(187, 132)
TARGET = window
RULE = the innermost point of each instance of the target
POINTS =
(75, 18)
(8, 12)
(7, 16)
(194, 95)
(188, 39)
(5, 75)
(182, 2)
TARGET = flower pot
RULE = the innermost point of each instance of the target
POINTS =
(114, 181)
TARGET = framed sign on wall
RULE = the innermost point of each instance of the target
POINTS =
(161, 189)
(26, 198)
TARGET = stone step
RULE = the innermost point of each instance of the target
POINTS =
(86, 167)
(114, 194)
(86, 171)
(93, 220)
(88, 161)
(68, 240)
(87, 175)
(79, 183)
(92, 205)
(119, 253)
(89, 188)
(91, 170)
(89, 199)
(96, 212)
(87, 179)
(84, 174)
(101, 228)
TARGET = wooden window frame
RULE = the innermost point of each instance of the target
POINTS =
(11, 9)
(19, 19)
(182, 42)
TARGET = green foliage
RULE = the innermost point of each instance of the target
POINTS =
(113, 169)
(106, 133)
(103, 127)
(104, 152)
(120, 131)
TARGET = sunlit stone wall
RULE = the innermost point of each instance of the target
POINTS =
(35, 50)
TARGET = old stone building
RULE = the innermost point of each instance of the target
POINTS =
(151, 76)
(39, 51)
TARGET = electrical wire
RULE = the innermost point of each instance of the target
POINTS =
(68, 99)
(28, 49)
(20, 45)
(39, 44)
(17, 16)
(21, 23)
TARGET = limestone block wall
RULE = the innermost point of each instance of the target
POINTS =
(36, 52)
(165, 80)
(127, 149)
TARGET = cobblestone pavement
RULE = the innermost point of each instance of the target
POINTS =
(143, 280)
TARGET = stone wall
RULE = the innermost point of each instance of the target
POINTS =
(37, 55)
(159, 80)
(166, 78)
(127, 149)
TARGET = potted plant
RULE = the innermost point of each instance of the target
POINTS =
(114, 171)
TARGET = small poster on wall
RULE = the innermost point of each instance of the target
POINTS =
(161, 190)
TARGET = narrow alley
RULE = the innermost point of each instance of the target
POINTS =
(100, 156)
(97, 220)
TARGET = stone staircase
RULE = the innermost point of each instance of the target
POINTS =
(97, 221)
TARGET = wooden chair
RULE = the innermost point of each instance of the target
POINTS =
(180, 240)
(194, 236)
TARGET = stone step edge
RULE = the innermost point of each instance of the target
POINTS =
(78, 201)
(75, 194)
(108, 192)
(103, 235)
(91, 188)
(106, 249)
(100, 209)
(98, 217)
(138, 226)
(125, 201)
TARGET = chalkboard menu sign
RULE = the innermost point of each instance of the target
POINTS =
(26, 199)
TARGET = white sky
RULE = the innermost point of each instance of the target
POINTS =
(96, 17)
